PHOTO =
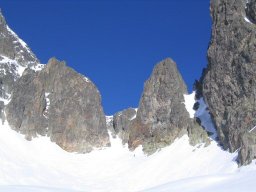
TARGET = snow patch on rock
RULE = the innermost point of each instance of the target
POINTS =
(247, 20)
(132, 118)
(109, 119)
(12, 66)
(202, 113)
(38, 67)
(45, 114)
(189, 103)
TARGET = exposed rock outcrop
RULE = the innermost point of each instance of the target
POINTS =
(15, 56)
(122, 122)
(60, 103)
(162, 116)
(13, 47)
(51, 99)
(229, 82)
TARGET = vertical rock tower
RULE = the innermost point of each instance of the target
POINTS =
(162, 116)
(229, 82)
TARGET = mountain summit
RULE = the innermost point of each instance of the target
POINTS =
(162, 116)
(55, 101)
(49, 100)
(12, 47)
(168, 143)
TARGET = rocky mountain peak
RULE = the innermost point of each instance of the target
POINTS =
(164, 84)
(51, 100)
(53, 62)
(162, 116)
(15, 57)
(60, 103)
(14, 48)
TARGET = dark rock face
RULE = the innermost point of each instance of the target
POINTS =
(229, 82)
(161, 116)
(122, 122)
(59, 103)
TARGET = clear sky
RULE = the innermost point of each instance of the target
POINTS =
(115, 43)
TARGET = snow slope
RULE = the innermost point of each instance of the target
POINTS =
(40, 165)
(239, 182)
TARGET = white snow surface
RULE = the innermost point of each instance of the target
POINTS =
(19, 69)
(189, 103)
(247, 20)
(109, 119)
(38, 67)
(202, 113)
(136, 109)
(46, 94)
(6, 100)
(40, 165)
(7, 61)
(86, 79)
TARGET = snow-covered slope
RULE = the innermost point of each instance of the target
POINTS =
(40, 165)
(239, 182)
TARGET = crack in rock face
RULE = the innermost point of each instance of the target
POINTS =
(251, 11)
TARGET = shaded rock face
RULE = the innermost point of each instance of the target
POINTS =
(161, 116)
(59, 103)
(229, 82)
(122, 122)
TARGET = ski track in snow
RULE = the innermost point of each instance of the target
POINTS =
(40, 165)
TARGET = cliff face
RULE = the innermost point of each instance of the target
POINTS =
(55, 101)
(15, 56)
(51, 99)
(162, 116)
(60, 103)
(229, 82)
(122, 122)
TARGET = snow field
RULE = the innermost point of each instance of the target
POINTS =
(40, 165)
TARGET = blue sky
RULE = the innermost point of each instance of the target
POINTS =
(115, 43)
